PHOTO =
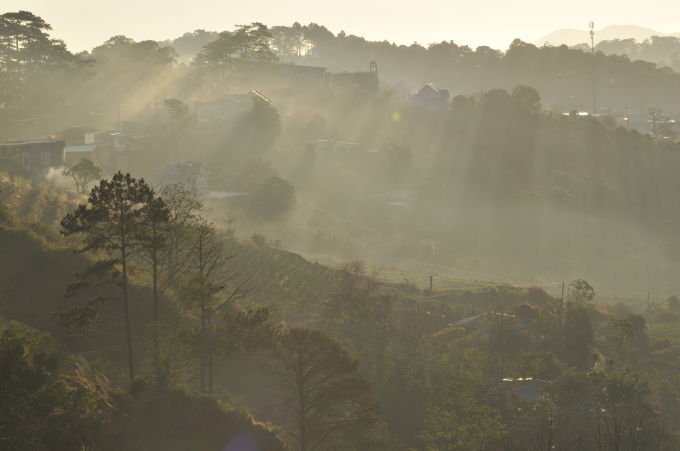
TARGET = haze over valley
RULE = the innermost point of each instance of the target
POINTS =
(257, 232)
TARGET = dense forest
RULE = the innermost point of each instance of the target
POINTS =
(257, 313)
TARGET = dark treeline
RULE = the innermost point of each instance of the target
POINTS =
(663, 50)
(557, 72)
(136, 73)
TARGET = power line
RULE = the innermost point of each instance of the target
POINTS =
(39, 117)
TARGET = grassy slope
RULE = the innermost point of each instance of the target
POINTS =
(669, 331)
(281, 279)
(35, 265)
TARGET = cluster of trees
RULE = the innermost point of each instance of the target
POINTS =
(89, 86)
(33, 64)
(662, 50)
(237, 59)
(557, 72)
(166, 242)
(366, 371)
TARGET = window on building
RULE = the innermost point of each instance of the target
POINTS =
(45, 158)
(26, 161)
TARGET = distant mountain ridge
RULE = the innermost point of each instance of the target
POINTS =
(572, 37)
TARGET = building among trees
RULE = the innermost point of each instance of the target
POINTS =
(226, 108)
(430, 97)
(37, 157)
(190, 174)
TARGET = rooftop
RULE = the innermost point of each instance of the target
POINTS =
(87, 148)
(83, 128)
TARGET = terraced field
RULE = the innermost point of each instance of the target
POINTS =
(279, 278)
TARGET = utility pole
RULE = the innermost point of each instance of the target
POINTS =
(592, 48)
(118, 122)
(562, 298)
(87, 120)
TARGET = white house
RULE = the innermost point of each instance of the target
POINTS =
(226, 108)
(430, 97)
(190, 174)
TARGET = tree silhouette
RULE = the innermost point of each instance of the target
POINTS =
(331, 404)
(83, 173)
(110, 223)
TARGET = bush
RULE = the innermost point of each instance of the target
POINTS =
(259, 240)
(272, 198)
(538, 365)
(171, 419)
(673, 303)
(39, 409)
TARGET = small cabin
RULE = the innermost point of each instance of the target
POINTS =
(430, 98)
(38, 157)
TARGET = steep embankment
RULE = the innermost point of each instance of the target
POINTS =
(35, 265)
(283, 280)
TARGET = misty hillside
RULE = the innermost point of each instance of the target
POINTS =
(276, 237)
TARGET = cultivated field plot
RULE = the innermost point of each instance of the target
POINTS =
(669, 331)
(422, 280)
(395, 270)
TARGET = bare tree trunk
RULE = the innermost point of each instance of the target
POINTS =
(203, 349)
(126, 302)
(156, 316)
(210, 371)
(303, 404)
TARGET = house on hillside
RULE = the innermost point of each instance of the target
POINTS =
(114, 150)
(191, 175)
(248, 98)
(73, 154)
(431, 98)
(226, 108)
(283, 99)
(220, 110)
(115, 139)
(365, 81)
(79, 134)
(38, 157)
(306, 78)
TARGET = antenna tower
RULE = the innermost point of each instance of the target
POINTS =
(592, 49)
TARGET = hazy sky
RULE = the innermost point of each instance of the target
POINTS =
(86, 23)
